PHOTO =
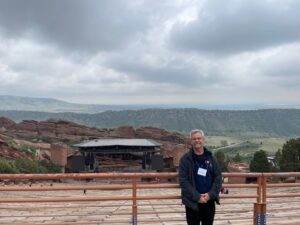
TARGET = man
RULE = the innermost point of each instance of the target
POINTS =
(200, 180)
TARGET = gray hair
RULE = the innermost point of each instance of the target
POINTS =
(196, 131)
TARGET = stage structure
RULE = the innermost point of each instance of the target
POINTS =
(127, 155)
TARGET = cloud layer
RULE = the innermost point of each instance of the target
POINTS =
(151, 52)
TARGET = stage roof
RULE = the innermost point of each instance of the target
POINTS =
(119, 142)
(119, 145)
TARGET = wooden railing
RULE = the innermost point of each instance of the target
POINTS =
(125, 198)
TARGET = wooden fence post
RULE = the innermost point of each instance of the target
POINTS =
(264, 200)
(259, 210)
(257, 214)
(134, 202)
(257, 207)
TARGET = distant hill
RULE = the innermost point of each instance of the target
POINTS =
(8, 102)
(267, 122)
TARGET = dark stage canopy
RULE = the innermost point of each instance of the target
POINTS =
(120, 145)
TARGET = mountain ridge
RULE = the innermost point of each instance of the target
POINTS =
(263, 122)
(19, 103)
(9, 102)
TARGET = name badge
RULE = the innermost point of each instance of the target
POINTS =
(202, 172)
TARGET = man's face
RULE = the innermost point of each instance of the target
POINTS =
(197, 140)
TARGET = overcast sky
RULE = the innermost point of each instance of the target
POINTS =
(151, 51)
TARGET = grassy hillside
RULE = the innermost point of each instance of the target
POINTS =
(268, 144)
(251, 123)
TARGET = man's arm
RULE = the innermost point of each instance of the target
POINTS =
(217, 180)
(185, 183)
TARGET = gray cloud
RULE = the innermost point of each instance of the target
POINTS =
(238, 26)
(149, 51)
(177, 70)
(282, 69)
(88, 26)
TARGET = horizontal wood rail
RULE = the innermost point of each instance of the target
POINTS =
(89, 187)
(284, 185)
(86, 176)
(133, 198)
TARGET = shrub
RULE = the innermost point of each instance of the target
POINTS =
(7, 167)
(27, 166)
(50, 166)
(26, 148)
(11, 143)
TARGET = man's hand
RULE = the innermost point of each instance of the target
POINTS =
(204, 198)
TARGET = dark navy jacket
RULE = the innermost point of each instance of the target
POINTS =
(188, 167)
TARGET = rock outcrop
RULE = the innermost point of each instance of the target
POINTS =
(6, 123)
(57, 130)
(11, 153)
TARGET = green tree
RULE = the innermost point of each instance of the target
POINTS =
(290, 156)
(237, 158)
(277, 158)
(222, 160)
(259, 162)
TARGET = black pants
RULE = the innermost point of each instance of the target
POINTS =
(205, 215)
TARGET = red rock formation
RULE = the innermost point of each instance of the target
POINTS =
(59, 129)
(123, 132)
(47, 129)
(169, 140)
(178, 152)
(27, 128)
(65, 130)
(11, 153)
(6, 123)
(39, 145)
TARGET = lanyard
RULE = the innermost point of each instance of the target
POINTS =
(204, 165)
